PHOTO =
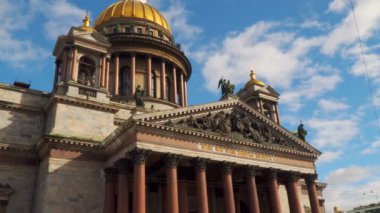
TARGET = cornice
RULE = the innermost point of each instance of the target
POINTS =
(224, 140)
(86, 103)
(19, 107)
(23, 90)
(16, 148)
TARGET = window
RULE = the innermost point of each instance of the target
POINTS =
(86, 73)
(128, 29)
(161, 35)
(139, 30)
(151, 32)
(124, 81)
(268, 111)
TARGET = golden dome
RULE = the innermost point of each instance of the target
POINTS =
(254, 80)
(132, 9)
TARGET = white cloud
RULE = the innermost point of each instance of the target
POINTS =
(177, 16)
(276, 56)
(349, 175)
(352, 186)
(368, 18)
(373, 67)
(311, 88)
(375, 147)
(333, 132)
(15, 18)
(329, 156)
(332, 105)
(338, 5)
(60, 15)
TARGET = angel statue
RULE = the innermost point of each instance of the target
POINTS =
(139, 96)
(226, 87)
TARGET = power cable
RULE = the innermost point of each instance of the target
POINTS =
(365, 67)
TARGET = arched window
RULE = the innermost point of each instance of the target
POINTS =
(154, 84)
(168, 89)
(86, 73)
(124, 81)
(268, 111)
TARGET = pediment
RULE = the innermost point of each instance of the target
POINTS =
(269, 90)
(92, 36)
(228, 120)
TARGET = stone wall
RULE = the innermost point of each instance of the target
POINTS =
(70, 186)
(21, 117)
(19, 127)
(22, 96)
(79, 122)
(21, 179)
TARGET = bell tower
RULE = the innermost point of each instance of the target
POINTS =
(261, 97)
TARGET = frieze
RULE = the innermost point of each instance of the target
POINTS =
(236, 152)
(223, 140)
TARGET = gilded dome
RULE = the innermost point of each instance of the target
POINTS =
(253, 80)
(132, 9)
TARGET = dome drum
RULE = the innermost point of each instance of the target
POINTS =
(151, 46)
(135, 26)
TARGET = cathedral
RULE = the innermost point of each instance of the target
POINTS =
(117, 134)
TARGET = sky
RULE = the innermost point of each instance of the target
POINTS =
(307, 50)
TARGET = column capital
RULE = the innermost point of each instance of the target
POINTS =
(200, 164)
(273, 173)
(310, 178)
(293, 176)
(122, 165)
(139, 156)
(227, 167)
(252, 170)
(172, 160)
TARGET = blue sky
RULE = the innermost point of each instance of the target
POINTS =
(306, 49)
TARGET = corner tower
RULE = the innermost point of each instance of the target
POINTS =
(261, 97)
(130, 45)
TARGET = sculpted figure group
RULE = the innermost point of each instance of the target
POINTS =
(226, 87)
(226, 123)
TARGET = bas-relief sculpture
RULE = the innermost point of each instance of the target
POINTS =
(235, 124)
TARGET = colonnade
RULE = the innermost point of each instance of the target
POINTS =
(69, 63)
(176, 201)
(148, 76)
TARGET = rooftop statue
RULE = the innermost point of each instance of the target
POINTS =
(226, 87)
(139, 96)
(301, 132)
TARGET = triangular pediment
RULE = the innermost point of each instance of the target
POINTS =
(269, 90)
(229, 120)
(91, 35)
